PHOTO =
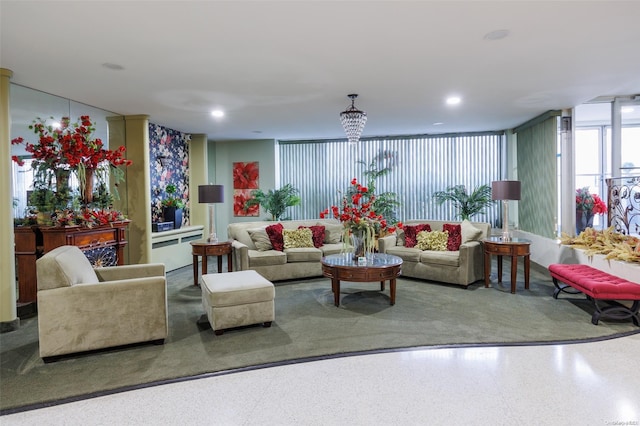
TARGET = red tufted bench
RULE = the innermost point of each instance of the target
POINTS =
(600, 287)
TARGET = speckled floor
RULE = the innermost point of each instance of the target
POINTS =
(577, 384)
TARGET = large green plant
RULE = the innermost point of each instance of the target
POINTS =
(274, 202)
(468, 205)
(385, 203)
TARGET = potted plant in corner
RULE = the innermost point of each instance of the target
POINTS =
(274, 202)
(172, 207)
(468, 205)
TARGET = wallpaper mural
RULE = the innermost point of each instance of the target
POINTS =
(169, 163)
(245, 180)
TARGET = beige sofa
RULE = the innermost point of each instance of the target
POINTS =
(291, 263)
(462, 267)
(82, 309)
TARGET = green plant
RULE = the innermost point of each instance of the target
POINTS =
(468, 205)
(385, 203)
(274, 202)
(172, 200)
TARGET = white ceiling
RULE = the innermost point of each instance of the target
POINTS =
(283, 69)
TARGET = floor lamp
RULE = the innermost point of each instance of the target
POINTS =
(211, 194)
(505, 190)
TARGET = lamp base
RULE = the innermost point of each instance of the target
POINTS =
(506, 236)
(213, 238)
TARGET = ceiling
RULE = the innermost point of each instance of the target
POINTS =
(283, 69)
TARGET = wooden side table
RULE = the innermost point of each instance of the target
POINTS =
(205, 249)
(514, 248)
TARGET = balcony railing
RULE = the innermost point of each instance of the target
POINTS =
(624, 204)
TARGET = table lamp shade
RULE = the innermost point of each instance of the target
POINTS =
(210, 193)
(505, 190)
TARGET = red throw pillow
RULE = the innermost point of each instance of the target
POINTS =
(411, 233)
(275, 236)
(317, 234)
(455, 236)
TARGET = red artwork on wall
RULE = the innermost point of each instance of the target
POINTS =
(245, 180)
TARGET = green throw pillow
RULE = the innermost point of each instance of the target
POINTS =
(434, 240)
(296, 238)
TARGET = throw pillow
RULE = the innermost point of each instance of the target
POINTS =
(275, 236)
(260, 238)
(455, 236)
(469, 232)
(317, 234)
(411, 233)
(434, 240)
(296, 238)
(333, 233)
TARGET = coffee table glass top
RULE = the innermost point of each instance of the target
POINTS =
(375, 260)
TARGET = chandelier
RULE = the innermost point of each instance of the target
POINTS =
(353, 121)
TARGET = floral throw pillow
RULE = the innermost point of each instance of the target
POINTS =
(435, 240)
(297, 238)
(317, 234)
(411, 233)
(455, 236)
(275, 236)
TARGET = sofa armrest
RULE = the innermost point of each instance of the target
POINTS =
(125, 272)
(240, 255)
(385, 242)
(472, 257)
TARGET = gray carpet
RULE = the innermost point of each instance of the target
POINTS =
(307, 325)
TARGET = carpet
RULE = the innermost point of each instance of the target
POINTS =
(307, 326)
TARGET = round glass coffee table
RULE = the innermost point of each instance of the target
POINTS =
(379, 267)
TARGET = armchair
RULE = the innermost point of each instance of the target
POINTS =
(82, 309)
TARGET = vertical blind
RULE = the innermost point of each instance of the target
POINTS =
(422, 165)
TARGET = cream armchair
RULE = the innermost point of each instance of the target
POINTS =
(81, 308)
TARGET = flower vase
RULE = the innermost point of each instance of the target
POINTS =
(87, 187)
(584, 219)
(358, 241)
(62, 180)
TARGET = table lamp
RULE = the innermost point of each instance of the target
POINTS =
(505, 190)
(211, 194)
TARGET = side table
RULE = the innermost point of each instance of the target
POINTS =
(204, 248)
(514, 248)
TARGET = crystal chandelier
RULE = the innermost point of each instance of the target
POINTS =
(353, 121)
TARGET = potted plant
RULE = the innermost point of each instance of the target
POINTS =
(274, 202)
(172, 207)
(468, 205)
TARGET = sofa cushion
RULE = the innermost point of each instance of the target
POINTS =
(303, 254)
(333, 233)
(275, 236)
(328, 249)
(260, 238)
(266, 258)
(317, 234)
(455, 236)
(469, 232)
(444, 258)
(435, 240)
(405, 253)
(297, 238)
(411, 233)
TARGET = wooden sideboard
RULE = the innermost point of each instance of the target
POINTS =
(103, 246)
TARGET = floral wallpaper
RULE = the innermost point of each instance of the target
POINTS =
(169, 163)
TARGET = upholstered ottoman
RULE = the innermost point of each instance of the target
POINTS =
(234, 299)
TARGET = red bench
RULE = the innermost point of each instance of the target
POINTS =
(600, 287)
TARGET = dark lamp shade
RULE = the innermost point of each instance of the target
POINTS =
(210, 193)
(505, 190)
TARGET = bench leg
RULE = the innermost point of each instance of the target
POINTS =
(563, 288)
(615, 310)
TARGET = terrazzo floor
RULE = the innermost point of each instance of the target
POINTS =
(594, 383)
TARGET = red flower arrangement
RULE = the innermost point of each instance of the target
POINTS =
(357, 213)
(590, 203)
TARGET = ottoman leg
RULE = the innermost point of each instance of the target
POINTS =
(267, 324)
(218, 332)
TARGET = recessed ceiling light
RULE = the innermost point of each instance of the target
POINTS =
(257, 131)
(496, 35)
(217, 113)
(453, 100)
(627, 109)
(438, 123)
(112, 66)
